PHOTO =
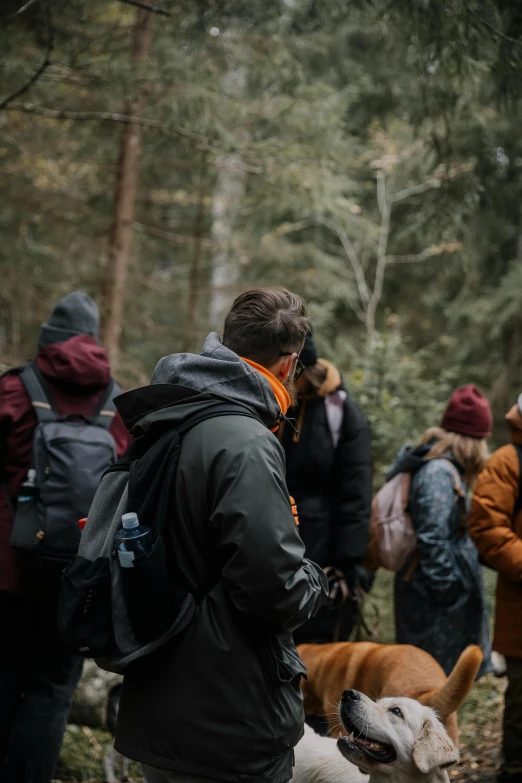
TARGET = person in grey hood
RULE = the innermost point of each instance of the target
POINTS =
(222, 700)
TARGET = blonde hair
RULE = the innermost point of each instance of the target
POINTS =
(472, 454)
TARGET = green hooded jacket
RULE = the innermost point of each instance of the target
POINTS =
(222, 700)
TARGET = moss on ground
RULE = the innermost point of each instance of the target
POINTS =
(81, 759)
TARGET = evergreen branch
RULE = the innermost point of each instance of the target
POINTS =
(414, 190)
(154, 9)
(178, 239)
(492, 27)
(328, 247)
(199, 142)
(47, 61)
(104, 116)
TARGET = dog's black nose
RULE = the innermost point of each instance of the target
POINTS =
(351, 695)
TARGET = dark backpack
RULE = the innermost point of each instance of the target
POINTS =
(69, 456)
(117, 615)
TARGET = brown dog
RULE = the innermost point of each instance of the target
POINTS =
(380, 670)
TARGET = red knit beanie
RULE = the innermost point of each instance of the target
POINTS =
(468, 413)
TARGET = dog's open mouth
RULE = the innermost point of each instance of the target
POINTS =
(372, 749)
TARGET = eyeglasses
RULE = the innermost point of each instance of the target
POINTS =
(299, 366)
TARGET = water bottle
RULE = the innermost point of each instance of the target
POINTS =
(28, 490)
(133, 541)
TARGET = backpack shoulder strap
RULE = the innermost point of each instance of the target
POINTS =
(214, 412)
(518, 501)
(221, 409)
(405, 480)
(106, 410)
(34, 386)
(457, 481)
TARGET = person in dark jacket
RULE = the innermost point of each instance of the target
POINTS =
(223, 700)
(440, 601)
(329, 473)
(37, 676)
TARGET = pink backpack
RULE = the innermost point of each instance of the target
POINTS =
(392, 536)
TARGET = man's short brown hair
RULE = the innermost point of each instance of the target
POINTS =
(265, 323)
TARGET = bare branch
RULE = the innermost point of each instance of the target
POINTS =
(381, 193)
(47, 61)
(411, 258)
(346, 242)
(290, 228)
(351, 254)
(414, 190)
(25, 7)
(154, 9)
(491, 27)
(384, 234)
(428, 252)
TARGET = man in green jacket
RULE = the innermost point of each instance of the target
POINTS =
(222, 701)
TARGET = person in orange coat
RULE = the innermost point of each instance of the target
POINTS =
(495, 525)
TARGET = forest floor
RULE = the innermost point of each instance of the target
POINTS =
(479, 718)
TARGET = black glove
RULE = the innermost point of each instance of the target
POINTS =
(357, 576)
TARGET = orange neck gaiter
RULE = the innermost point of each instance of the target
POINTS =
(283, 399)
(280, 393)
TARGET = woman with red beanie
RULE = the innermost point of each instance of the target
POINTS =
(440, 603)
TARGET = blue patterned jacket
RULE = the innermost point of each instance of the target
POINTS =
(442, 608)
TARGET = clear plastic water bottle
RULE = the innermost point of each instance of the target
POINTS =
(28, 490)
(133, 541)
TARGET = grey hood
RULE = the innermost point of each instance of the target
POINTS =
(220, 372)
(185, 383)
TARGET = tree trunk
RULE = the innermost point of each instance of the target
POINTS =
(125, 198)
(227, 201)
(195, 271)
(226, 205)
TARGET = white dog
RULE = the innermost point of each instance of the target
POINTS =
(394, 739)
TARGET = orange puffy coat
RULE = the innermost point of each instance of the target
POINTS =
(498, 536)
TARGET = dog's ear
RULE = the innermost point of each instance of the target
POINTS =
(433, 748)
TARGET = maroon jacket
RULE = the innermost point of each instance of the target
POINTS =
(78, 373)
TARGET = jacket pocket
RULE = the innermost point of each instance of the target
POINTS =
(285, 669)
(84, 607)
(27, 532)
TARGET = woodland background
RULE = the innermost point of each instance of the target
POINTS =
(368, 155)
(163, 155)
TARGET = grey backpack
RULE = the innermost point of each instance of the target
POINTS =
(392, 535)
(69, 456)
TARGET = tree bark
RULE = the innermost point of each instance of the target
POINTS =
(227, 201)
(226, 205)
(125, 198)
(195, 270)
